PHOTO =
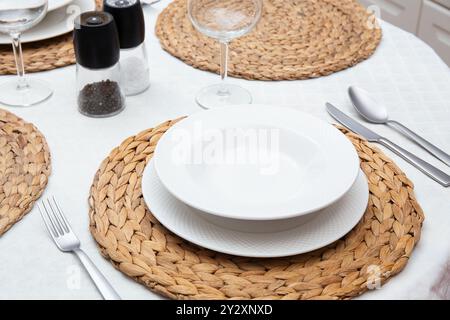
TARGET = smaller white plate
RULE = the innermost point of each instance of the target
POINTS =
(56, 4)
(256, 162)
(55, 23)
(325, 227)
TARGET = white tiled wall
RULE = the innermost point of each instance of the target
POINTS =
(428, 19)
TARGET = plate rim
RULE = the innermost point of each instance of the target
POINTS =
(60, 5)
(286, 215)
(53, 35)
(340, 235)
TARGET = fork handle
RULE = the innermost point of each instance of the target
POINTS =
(106, 290)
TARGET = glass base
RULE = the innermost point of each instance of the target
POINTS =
(36, 92)
(222, 95)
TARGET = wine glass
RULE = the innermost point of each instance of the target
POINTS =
(16, 17)
(224, 20)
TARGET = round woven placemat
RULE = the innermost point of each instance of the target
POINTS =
(294, 40)
(24, 168)
(140, 247)
(41, 55)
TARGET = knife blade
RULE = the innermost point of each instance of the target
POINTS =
(351, 124)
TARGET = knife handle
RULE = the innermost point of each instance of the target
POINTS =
(430, 170)
(431, 148)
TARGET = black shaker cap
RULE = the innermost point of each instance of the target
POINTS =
(130, 22)
(96, 40)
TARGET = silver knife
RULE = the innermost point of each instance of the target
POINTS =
(431, 171)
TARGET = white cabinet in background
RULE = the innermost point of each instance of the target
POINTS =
(428, 19)
(445, 3)
(402, 13)
(434, 28)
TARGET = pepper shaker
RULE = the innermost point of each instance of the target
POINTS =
(130, 22)
(97, 52)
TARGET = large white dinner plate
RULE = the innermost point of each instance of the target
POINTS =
(307, 164)
(56, 4)
(56, 23)
(324, 228)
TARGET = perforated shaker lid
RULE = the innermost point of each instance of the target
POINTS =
(96, 40)
(130, 22)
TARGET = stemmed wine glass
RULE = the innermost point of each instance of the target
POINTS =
(224, 20)
(15, 18)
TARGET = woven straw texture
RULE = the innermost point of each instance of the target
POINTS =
(140, 247)
(24, 168)
(294, 40)
(42, 55)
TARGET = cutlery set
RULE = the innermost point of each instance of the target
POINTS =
(375, 113)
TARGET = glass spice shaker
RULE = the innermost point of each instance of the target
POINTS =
(97, 52)
(130, 22)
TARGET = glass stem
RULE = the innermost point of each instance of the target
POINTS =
(18, 56)
(223, 91)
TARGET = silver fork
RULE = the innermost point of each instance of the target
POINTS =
(66, 240)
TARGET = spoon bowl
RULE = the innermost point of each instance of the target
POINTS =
(367, 107)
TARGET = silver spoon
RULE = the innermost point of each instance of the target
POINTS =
(377, 113)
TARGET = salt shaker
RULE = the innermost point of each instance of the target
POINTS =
(130, 22)
(97, 51)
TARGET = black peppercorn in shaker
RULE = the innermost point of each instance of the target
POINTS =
(130, 22)
(97, 52)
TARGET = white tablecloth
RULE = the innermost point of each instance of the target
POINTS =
(404, 74)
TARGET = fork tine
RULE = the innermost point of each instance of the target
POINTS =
(59, 215)
(48, 223)
(55, 217)
(52, 218)
(63, 216)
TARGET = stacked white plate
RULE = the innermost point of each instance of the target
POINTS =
(256, 181)
(58, 21)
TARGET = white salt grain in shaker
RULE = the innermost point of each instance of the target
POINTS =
(135, 72)
(130, 23)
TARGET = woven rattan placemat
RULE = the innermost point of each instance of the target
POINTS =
(24, 168)
(294, 40)
(41, 55)
(133, 240)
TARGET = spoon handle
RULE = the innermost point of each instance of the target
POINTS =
(431, 148)
(430, 170)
